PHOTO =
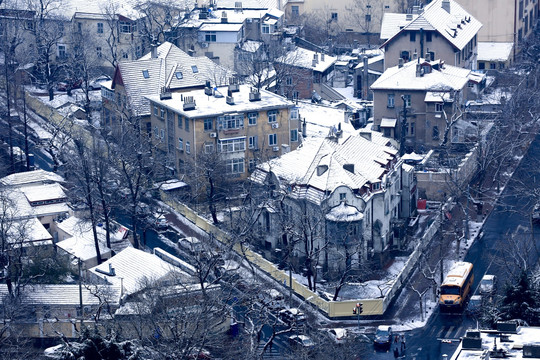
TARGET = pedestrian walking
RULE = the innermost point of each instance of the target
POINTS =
(403, 346)
(396, 352)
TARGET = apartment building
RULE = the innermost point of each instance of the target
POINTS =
(240, 124)
(443, 29)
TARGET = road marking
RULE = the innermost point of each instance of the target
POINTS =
(449, 331)
(440, 333)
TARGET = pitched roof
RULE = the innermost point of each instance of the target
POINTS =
(457, 26)
(303, 58)
(171, 68)
(81, 243)
(31, 177)
(319, 166)
(135, 269)
(392, 23)
(441, 77)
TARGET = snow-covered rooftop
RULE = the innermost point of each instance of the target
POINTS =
(456, 25)
(344, 213)
(65, 294)
(513, 347)
(392, 23)
(321, 165)
(31, 177)
(137, 269)
(81, 241)
(301, 57)
(494, 51)
(442, 77)
(214, 106)
(26, 232)
(43, 192)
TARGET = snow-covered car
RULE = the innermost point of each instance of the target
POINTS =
(69, 84)
(383, 336)
(488, 284)
(474, 306)
(302, 341)
(160, 222)
(338, 335)
(95, 84)
(292, 317)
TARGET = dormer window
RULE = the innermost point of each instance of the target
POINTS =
(179, 75)
(146, 74)
(195, 69)
(376, 186)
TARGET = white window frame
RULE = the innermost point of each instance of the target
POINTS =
(232, 145)
(294, 135)
(272, 116)
(100, 28)
(252, 118)
(235, 166)
(253, 142)
(180, 144)
(391, 101)
(439, 107)
(188, 147)
(272, 139)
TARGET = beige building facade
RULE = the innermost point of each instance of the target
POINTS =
(237, 123)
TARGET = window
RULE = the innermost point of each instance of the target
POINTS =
(391, 101)
(162, 134)
(294, 113)
(253, 142)
(294, 135)
(272, 139)
(156, 110)
(208, 125)
(208, 148)
(188, 147)
(412, 128)
(180, 122)
(232, 145)
(180, 144)
(235, 166)
(125, 27)
(265, 29)
(334, 16)
(470, 84)
(295, 11)
(376, 186)
(295, 94)
(435, 133)
(186, 124)
(228, 122)
(100, 28)
(162, 113)
(405, 55)
(439, 107)
(148, 124)
(252, 118)
(62, 51)
(195, 69)
(492, 66)
(501, 66)
(145, 74)
(429, 36)
(412, 36)
(407, 100)
(272, 116)
(125, 55)
(179, 75)
(288, 80)
(368, 17)
(342, 196)
(481, 66)
(210, 36)
(98, 52)
(252, 164)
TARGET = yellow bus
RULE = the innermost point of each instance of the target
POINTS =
(456, 287)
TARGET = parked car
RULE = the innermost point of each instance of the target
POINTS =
(190, 244)
(488, 284)
(69, 84)
(383, 336)
(292, 317)
(95, 84)
(338, 335)
(474, 306)
(301, 341)
(160, 222)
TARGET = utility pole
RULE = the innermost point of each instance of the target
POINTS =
(403, 128)
(80, 292)
(466, 232)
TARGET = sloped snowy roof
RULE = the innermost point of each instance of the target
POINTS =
(457, 26)
(344, 213)
(65, 294)
(444, 78)
(43, 192)
(301, 57)
(321, 165)
(494, 51)
(173, 68)
(26, 232)
(392, 23)
(137, 269)
(81, 243)
(31, 177)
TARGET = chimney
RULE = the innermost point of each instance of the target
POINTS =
(418, 70)
(153, 48)
(316, 58)
(224, 19)
(400, 62)
(304, 129)
(415, 55)
(428, 57)
(322, 57)
(446, 5)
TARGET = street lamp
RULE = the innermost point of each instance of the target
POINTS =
(357, 310)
